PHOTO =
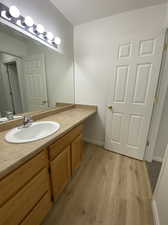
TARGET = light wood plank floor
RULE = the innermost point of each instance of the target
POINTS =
(109, 189)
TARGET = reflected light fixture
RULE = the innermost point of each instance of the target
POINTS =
(49, 36)
(40, 29)
(4, 15)
(14, 11)
(12, 15)
(57, 40)
(28, 21)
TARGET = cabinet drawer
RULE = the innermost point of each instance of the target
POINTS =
(39, 212)
(60, 172)
(18, 207)
(61, 143)
(17, 179)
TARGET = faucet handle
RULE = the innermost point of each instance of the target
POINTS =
(30, 118)
(27, 119)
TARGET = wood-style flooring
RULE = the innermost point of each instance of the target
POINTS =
(108, 189)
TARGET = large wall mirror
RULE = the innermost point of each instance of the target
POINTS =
(33, 77)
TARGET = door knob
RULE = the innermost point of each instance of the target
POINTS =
(110, 107)
(44, 102)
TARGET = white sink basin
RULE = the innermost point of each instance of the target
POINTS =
(36, 131)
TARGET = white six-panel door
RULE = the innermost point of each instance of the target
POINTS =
(35, 82)
(132, 91)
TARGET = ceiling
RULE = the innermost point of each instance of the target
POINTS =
(81, 11)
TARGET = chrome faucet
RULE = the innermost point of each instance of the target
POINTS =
(9, 115)
(27, 121)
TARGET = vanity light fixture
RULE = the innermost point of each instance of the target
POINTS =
(4, 15)
(14, 11)
(28, 21)
(57, 40)
(13, 15)
(40, 29)
(20, 24)
(49, 36)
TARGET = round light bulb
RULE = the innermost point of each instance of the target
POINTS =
(28, 21)
(14, 11)
(57, 40)
(49, 36)
(40, 28)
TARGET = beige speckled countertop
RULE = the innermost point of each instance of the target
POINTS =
(14, 155)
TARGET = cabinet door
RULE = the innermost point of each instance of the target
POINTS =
(39, 212)
(18, 207)
(76, 153)
(60, 172)
(16, 180)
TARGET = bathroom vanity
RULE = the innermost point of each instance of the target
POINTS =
(33, 175)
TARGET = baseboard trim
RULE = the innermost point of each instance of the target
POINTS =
(101, 143)
(93, 141)
(157, 158)
(155, 213)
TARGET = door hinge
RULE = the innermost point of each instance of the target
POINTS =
(147, 143)
(165, 46)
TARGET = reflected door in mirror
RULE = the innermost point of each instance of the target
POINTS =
(35, 82)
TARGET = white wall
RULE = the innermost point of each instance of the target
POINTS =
(94, 44)
(12, 45)
(60, 78)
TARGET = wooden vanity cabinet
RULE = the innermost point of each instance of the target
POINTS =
(65, 157)
(25, 193)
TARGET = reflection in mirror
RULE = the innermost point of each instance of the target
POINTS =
(32, 76)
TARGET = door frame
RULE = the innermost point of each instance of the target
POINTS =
(20, 78)
(7, 88)
(18, 60)
(154, 203)
(158, 104)
(165, 159)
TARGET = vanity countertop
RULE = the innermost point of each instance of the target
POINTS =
(14, 155)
